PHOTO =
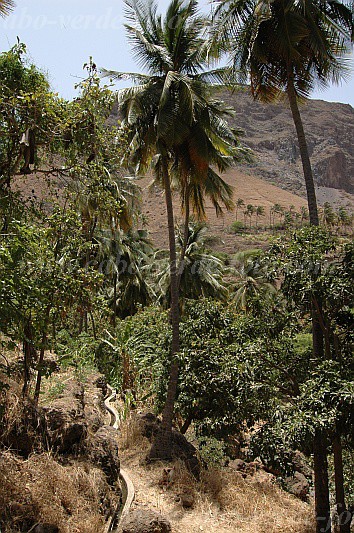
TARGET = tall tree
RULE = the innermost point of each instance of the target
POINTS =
(176, 125)
(286, 47)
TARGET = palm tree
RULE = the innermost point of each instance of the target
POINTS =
(250, 211)
(6, 7)
(202, 271)
(123, 258)
(343, 217)
(328, 215)
(304, 214)
(252, 282)
(286, 46)
(259, 213)
(240, 203)
(175, 126)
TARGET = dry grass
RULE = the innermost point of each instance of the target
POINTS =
(130, 436)
(22, 425)
(42, 490)
(224, 501)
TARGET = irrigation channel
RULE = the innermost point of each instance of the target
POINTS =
(127, 487)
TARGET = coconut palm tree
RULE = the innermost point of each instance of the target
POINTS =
(123, 258)
(240, 203)
(176, 126)
(250, 211)
(286, 46)
(260, 211)
(328, 215)
(251, 281)
(6, 7)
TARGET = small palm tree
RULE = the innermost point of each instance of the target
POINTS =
(240, 203)
(252, 282)
(123, 258)
(202, 272)
(343, 217)
(304, 214)
(328, 214)
(259, 213)
(250, 211)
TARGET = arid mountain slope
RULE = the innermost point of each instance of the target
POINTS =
(251, 189)
(270, 133)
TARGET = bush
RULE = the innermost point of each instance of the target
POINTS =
(237, 227)
(212, 451)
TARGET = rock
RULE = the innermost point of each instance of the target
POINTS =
(144, 521)
(45, 528)
(149, 425)
(66, 422)
(27, 432)
(332, 171)
(187, 499)
(50, 364)
(238, 465)
(300, 465)
(101, 383)
(181, 448)
(298, 486)
(103, 451)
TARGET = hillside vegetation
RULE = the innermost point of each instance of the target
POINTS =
(147, 254)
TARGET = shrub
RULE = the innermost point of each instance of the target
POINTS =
(237, 227)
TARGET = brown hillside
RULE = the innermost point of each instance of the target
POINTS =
(270, 132)
(251, 189)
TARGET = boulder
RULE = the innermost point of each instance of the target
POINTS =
(144, 521)
(66, 423)
(103, 451)
(187, 499)
(300, 465)
(181, 448)
(298, 486)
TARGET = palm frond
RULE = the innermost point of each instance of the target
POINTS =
(6, 6)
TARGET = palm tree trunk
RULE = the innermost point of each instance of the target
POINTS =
(343, 514)
(161, 448)
(185, 238)
(320, 466)
(304, 152)
(322, 503)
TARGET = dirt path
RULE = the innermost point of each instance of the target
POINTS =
(224, 501)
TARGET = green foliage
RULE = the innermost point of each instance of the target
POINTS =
(212, 451)
(200, 272)
(237, 227)
(133, 357)
(28, 108)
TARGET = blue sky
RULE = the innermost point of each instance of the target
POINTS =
(61, 35)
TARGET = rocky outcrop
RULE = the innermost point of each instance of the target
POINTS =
(269, 132)
(103, 452)
(66, 422)
(297, 485)
(181, 448)
(144, 521)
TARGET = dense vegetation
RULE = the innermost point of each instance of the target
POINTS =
(259, 343)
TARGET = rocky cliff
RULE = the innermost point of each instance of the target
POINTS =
(269, 131)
